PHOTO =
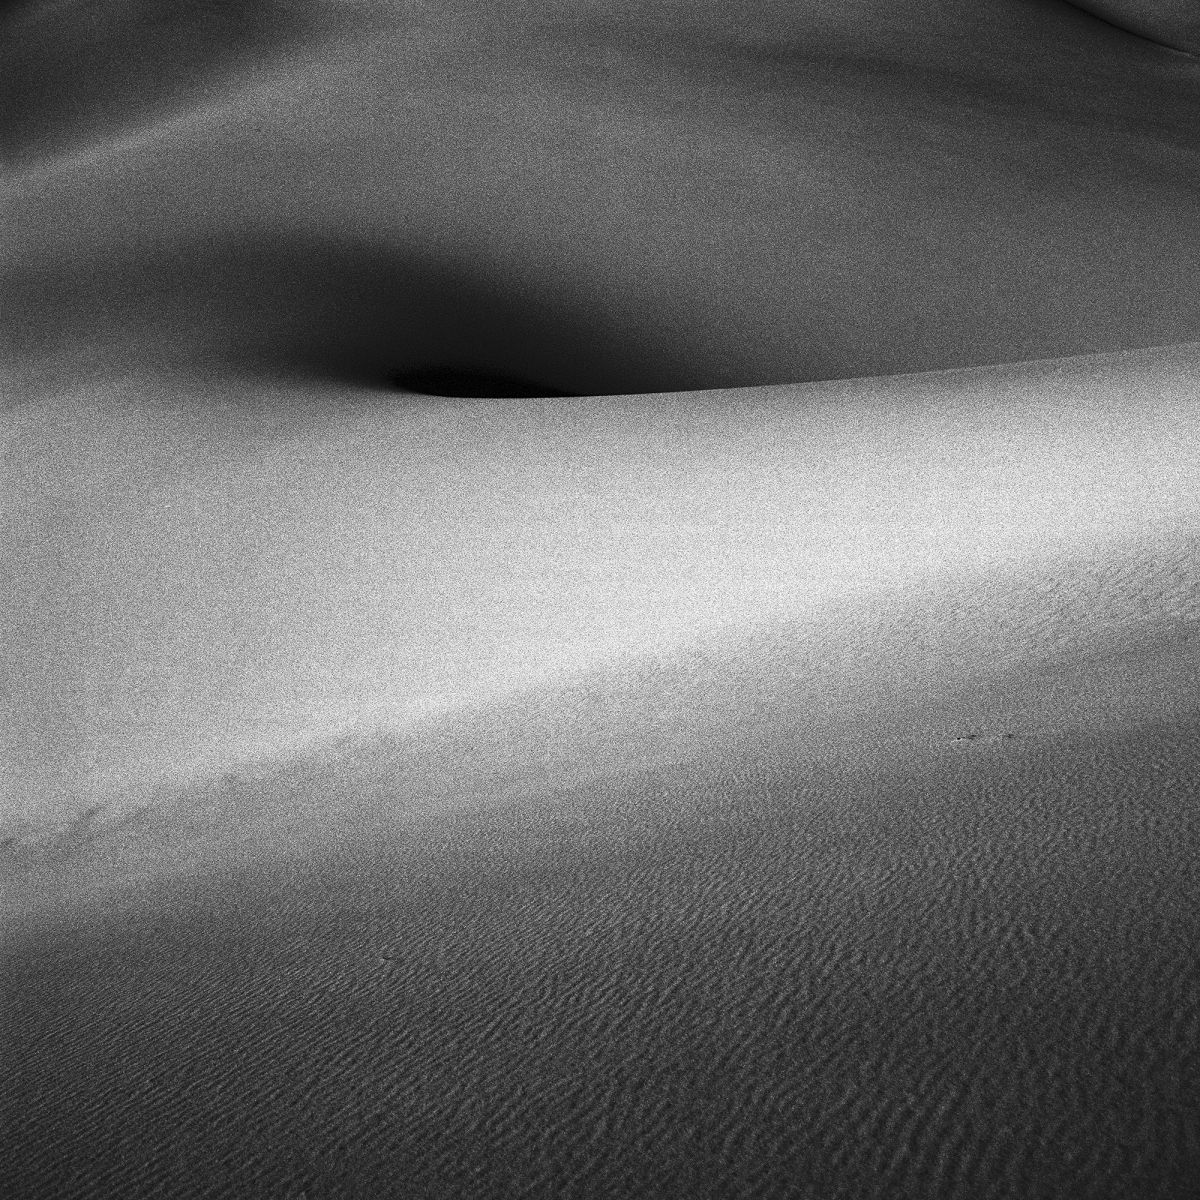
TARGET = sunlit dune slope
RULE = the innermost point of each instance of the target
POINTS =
(205, 572)
(914, 673)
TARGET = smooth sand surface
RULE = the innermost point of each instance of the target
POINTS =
(601, 599)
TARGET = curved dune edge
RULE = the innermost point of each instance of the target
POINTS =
(1173, 24)
(202, 520)
(904, 678)
(69, 80)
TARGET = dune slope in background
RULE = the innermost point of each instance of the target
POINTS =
(597, 198)
(204, 570)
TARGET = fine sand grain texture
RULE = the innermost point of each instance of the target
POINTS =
(835, 940)
(599, 599)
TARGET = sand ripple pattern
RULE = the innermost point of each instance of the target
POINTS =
(973, 975)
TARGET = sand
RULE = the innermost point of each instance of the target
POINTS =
(602, 600)
(795, 937)
(1171, 23)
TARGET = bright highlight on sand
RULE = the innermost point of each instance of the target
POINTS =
(366, 572)
(601, 599)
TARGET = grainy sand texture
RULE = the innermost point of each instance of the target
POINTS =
(736, 924)
(599, 599)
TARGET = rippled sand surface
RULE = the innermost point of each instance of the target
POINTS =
(599, 599)
(800, 937)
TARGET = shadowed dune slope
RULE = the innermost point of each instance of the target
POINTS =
(1173, 23)
(830, 927)
(596, 198)
(74, 72)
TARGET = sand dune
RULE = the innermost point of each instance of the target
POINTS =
(922, 670)
(1172, 23)
(601, 599)
(897, 903)
(794, 937)
(610, 199)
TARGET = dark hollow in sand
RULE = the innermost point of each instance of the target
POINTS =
(449, 382)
